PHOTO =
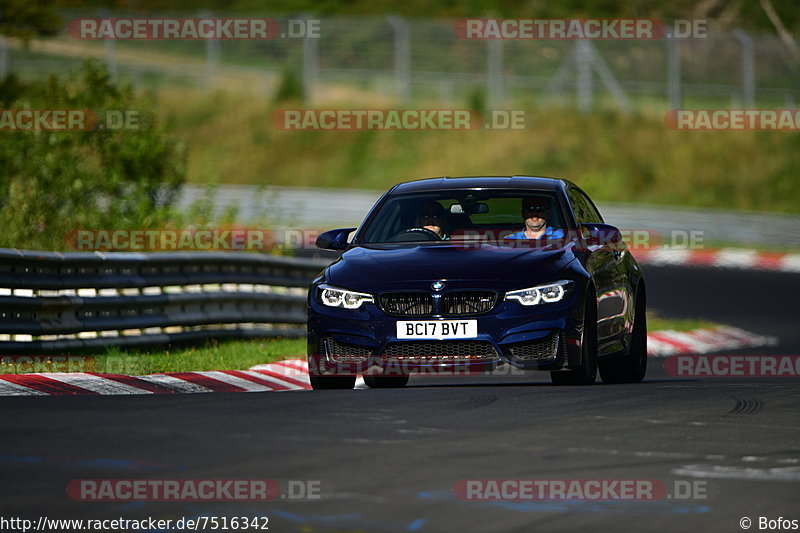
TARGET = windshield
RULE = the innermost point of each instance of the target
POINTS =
(461, 215)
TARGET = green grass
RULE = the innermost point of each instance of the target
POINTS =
(758, 247)
(656, 323)
(614, 157)
(231, 355)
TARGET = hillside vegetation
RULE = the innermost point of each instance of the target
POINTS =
(726, 13)
(617, 157)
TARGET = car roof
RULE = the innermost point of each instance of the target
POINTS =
(480, 182)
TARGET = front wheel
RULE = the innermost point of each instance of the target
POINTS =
(586, 373)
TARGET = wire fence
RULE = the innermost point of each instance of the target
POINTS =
(409, 61)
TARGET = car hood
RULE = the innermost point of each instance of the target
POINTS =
(386, 267)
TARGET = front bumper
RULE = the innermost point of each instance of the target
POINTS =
(543, 337)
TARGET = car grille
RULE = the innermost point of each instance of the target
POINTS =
(467, 302)
(431, 351)
(345, 352)
(407, 303)
(538, 350)
(457, 303)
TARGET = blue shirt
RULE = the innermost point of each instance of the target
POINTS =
(549, 233)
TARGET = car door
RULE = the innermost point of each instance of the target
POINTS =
(605, 266)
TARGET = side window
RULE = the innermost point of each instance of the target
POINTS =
(583, 208)
(595, 214)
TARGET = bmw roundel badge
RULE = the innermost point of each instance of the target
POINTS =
(437, 285)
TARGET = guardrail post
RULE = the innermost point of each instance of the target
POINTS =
(212, 57)
(748, 68)
(402, 57)
(310, 66)
(674, 91)
(583, 59)
(3, 58)
(494, 73)
(110, 51)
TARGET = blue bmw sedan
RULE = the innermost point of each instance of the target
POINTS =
(468, 274)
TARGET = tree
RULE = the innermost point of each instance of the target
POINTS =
(52, 182)
(26, 18)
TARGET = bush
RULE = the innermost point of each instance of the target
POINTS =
(52, 182)
(290, 89)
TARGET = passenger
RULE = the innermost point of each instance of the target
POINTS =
(535, 214)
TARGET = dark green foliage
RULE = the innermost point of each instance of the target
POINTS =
(28, 18)
(52, 182)
(290, 89)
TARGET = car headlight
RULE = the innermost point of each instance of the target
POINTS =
(541, 294)
(334, 297)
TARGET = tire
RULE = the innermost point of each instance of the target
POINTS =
(632, 367)
(586, 373)
(332, 382)
(386, 382)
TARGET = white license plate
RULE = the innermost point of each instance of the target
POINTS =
(437, 329)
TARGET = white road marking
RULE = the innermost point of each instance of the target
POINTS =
(667, 257)
(242, 383)
(275, 380)
(12, 389)
(730, 257)
(705, 340)
(94, 383)
(791, 263)
(296, 369)
(689, 338)
(174, 383)
(790, 473)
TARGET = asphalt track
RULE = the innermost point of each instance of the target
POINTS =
(388, 459)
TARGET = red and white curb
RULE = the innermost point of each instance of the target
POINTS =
(292, 374)
(701, 341)
(723, 258)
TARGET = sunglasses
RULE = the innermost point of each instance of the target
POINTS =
(431, 215)
(536, 209)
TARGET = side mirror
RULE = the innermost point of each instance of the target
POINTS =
(603, 235)
(335, 239)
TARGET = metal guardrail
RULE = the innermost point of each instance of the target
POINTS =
(52, 301)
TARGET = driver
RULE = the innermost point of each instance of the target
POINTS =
(535, 214)
(432, 216)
